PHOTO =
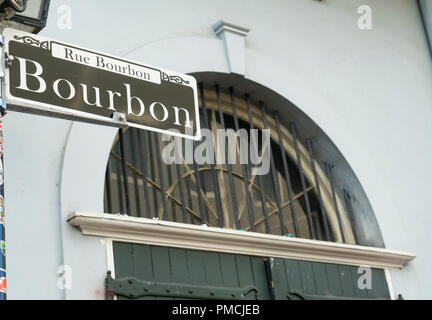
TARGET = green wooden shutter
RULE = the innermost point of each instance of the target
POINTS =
(303, 280)
(154, 272)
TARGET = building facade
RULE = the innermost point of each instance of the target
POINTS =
(343, 86)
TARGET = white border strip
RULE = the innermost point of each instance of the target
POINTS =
(110, 256)
(180, 235)
(389, 284)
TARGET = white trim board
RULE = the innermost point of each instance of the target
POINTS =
(110, 256)
(180, 235)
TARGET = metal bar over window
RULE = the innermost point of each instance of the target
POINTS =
(230, 176)
(213, 171)
(119, 186)
(274, 175)
(330, 176)
(287, 177)
(152, 171)
(350, 209)
(124, 172)
(187, 144)
(170, 181)
(135, 178)
(243, 166)
(260, 182)
(318, 189)
(202, 212)
(143, 157)
(108, 186)
(189, 195)
(180, 186)
(161, 179)
(303, 182)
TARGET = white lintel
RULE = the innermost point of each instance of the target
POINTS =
(201, 237)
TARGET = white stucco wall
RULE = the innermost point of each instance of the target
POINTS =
(369, 90)
(33, 160)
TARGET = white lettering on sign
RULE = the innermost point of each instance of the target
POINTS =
(24, 74)
(104, 63)
(66, 90)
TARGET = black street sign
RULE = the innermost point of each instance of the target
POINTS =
(52, 78)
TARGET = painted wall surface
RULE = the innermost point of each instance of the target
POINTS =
(33, 162)
(369, 90)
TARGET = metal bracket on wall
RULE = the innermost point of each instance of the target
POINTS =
(133, 288)
(119, 117)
